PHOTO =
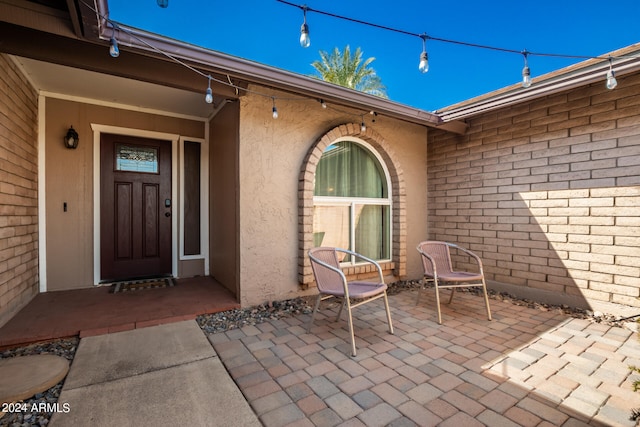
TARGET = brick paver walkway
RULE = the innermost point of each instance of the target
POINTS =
(527, 367)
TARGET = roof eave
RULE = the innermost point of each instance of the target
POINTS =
(582, 74)
(239, 68)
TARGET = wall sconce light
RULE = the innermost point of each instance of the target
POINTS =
(71, 138)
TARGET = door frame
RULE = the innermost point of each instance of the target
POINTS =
(98, 130)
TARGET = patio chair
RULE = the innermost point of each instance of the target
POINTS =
(436, 260)
(332, 283)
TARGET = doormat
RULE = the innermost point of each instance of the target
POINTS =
(138, 285)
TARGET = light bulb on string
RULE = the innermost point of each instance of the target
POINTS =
(323, 104)
(274, 110)
(611, 76)
(114, 50)
(526, 72)
(209, 94)
(363, 126)
(305, 41)
(423, 66)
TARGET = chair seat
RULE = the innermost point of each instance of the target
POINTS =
(459, 276)
(436, 261)
(361, 289)
(332, 282)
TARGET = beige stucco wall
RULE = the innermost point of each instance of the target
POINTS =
(69, 178)
(18, 190)
(223, 201)
(548, 194)
(270, 159)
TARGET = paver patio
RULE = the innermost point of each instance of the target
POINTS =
(527, 367)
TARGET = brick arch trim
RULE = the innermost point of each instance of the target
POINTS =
(306, 190)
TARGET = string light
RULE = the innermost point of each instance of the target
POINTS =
(210, 78)
(611, 76)
(305, 41)
(423, 66)
(114, 50)
(526, 72)
(208, 98)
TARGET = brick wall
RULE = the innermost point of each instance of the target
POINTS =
(397, 268)
(18, 190)
(548, 194)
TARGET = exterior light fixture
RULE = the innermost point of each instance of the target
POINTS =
(208, 97)
(71, 138)
(526, 72)
(305, 41)
(114, 50)
(423, 66)
(611, 76)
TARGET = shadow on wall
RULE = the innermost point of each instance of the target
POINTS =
(575, 247)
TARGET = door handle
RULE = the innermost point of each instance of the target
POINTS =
(167, 214)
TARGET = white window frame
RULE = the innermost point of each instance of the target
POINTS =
(351, 202)
(204, 206)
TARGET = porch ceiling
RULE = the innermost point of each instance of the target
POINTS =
(59, 80)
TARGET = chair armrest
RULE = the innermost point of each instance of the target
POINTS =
(431, 260)
(468, 252)
(369, 260)
(332, 268)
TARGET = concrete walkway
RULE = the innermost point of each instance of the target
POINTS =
(527, 367)
(165, 375)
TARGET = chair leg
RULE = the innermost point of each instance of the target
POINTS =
(353, 339)
(486, 298)
(315, 309)
(344, 301)
(386, 306)
(453, 290)
(435, 281)
(420, 290)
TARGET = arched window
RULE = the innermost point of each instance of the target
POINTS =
(352, 200)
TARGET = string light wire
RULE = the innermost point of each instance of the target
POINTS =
(423, 36)
(424, 64)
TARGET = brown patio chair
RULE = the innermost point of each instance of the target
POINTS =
(332, 282)
(436, 260)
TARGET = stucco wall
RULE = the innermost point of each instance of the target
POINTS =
(18, 190)
(548, 194)
(270, 159)
(223, 153)
(69, 178)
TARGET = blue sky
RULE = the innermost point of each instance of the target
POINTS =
(267, 31)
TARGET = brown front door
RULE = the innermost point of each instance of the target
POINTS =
(135, 207)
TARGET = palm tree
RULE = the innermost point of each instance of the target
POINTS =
(349, 71)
